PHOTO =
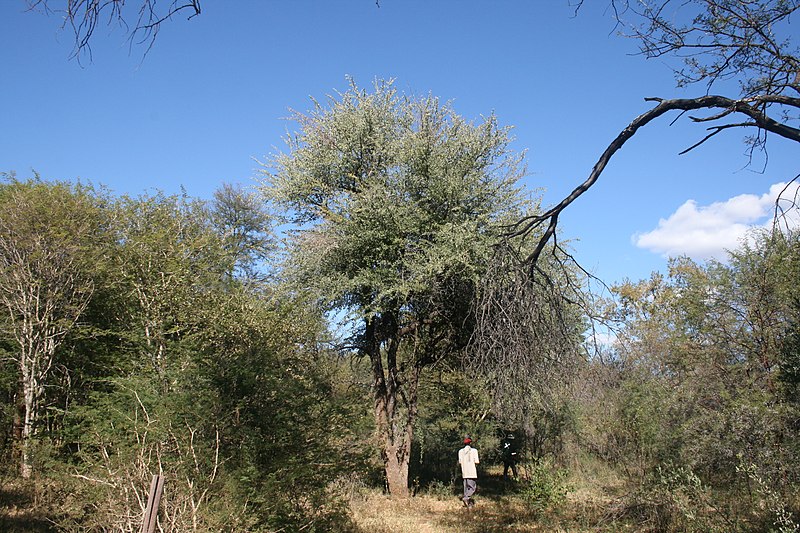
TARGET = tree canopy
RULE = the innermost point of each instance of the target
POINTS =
(398, 201)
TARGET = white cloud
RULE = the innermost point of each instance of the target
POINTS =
(705, 232)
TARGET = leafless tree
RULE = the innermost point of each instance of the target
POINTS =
(527, 331)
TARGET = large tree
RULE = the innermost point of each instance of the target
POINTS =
(397, 201)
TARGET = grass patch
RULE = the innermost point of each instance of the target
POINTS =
(584, 505)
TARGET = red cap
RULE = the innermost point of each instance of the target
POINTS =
(467, 440)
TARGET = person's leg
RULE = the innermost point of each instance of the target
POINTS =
(470, 486)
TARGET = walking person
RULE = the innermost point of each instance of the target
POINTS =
(510, 455)
(468, 458)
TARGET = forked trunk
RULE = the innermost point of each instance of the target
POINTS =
(395, 427)
(395, 396)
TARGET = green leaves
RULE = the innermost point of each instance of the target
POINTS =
(396, 203)
(51, 237)
(397, 194)
(707, 375)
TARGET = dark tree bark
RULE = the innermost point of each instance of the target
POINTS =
(395, 404)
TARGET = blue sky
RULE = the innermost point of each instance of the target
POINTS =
(212, 95)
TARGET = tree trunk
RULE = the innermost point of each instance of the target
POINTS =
(395, 411)
(18, 432)
(395, 445)
(396, 466)
(35, 360)
(25, 468)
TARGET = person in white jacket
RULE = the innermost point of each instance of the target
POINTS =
(468, 458)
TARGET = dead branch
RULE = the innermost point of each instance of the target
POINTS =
(781, 212)
(714, 131)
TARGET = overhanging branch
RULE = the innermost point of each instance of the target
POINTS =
(760, 119)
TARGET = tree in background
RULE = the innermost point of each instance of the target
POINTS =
(288, 430)
(216, 382)
(170, 260)
(396, 202)
(700, 409)
(50, 237)
(239, 215)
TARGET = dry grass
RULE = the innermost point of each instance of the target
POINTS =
(19, 510)
(428, 514)
(587, 509)
(583, 512)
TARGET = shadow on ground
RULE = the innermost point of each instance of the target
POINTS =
(497, 509)
(17, 508)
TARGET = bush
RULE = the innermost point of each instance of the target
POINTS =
(546, 487)
(771, 500)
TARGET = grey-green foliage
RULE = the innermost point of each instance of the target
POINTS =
(243, 436)
(241, 218)
(704, 382)
(401, 193)
(396, 202)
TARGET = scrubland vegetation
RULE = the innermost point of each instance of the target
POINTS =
(307, 355)
(155, 335)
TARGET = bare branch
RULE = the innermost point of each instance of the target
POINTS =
(83, 17)
(760, 120)
(714, 131)
(781, 212)
(752, 42)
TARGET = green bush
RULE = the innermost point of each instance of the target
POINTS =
(546, 485)
(440, 490)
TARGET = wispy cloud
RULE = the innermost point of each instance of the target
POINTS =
(707, 231)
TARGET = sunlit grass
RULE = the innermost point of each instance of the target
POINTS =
(428, 514)
(499, 507)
